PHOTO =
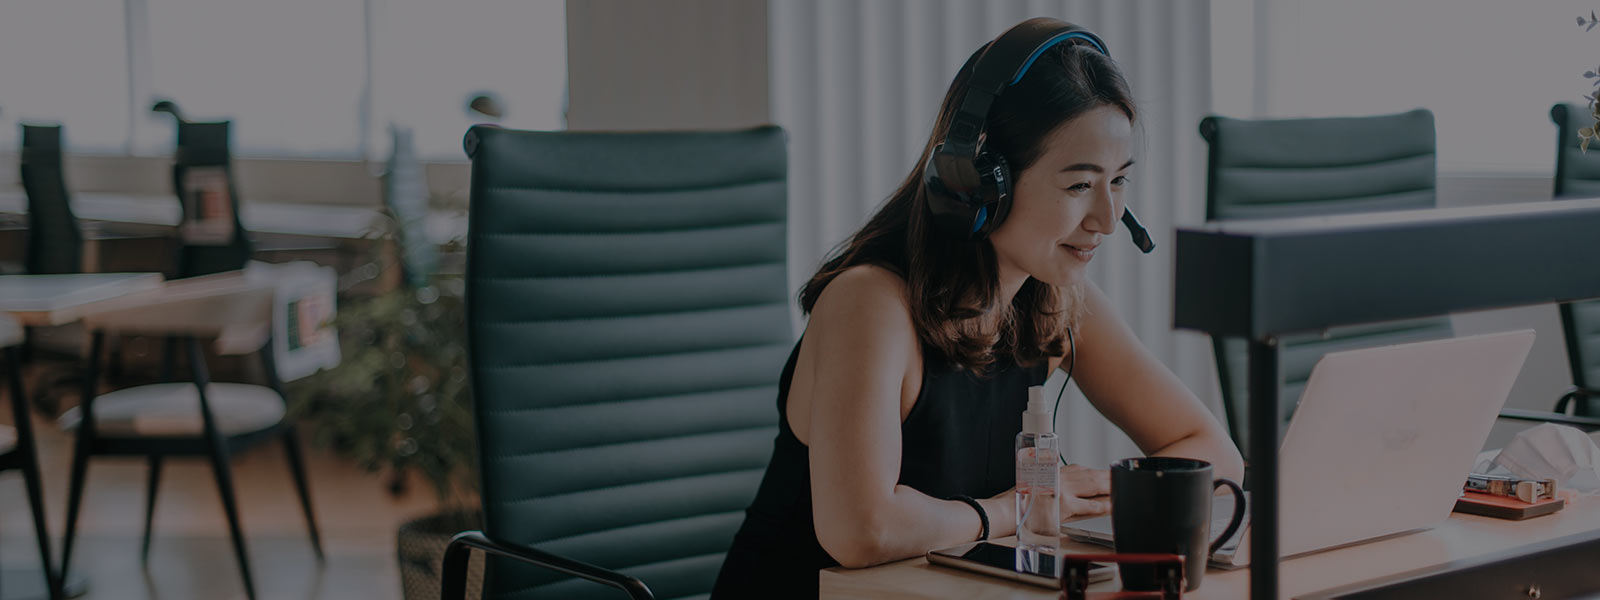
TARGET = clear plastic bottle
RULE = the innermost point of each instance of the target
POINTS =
(1038, 479)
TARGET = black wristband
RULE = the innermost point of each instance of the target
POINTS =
(983, 517)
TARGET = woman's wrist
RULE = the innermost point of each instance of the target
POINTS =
(1002, 510)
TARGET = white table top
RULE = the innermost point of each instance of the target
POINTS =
(57, 299)
(320, 220)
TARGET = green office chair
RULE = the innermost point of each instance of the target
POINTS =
(1578, 176)
(1303, 167)
(627, 317)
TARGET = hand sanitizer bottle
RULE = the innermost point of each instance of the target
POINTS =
(1038, 479)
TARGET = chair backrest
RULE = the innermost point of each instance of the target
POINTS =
(405, 194)
(212, 239)
(628, 318)
(1578, 176)
(1577, 172)
(1296, 167)
(1274, 168)
(55, 243)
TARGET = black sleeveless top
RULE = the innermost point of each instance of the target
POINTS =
(958, 439)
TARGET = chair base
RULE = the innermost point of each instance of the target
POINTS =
(27, 583)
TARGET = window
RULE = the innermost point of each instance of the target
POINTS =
(289, 73)
(430, 57)
(65, 61)
(299, 78)
(1488, 71)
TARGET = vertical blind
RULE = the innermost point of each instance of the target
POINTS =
(858, 84)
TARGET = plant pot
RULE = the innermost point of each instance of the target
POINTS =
(421, 543)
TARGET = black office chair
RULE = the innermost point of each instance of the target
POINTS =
(1301, 167)
(55, 241)
(202, 177)
(54, 246)
(1578, 176)
(628, 317)
(18, 450)
(197, 418)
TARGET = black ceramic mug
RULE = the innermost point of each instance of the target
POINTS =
(1163, 504)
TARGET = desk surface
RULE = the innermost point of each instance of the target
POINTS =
(327, 221)
(58, 299)
(1460, 537)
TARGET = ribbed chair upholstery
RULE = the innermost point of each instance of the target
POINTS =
(628, 319)
(55, 243)
(1577, 172)
(1580, 322)
(1301, 167)
(1578, 176)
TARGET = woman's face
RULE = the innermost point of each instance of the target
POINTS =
(1066, 202)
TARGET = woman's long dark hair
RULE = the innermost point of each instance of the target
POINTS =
(953, 282)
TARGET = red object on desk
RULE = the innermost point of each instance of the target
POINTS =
(1505, 507)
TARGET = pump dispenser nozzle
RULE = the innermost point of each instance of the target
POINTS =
(1037, 419)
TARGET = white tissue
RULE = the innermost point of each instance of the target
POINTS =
(1552, 451)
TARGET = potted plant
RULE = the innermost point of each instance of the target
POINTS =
(400, 402)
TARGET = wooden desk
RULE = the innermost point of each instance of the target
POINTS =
(1460, 537)
(60, 299)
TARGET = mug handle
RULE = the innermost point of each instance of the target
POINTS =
(1238, 512)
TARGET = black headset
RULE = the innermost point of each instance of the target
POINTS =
(969, 187)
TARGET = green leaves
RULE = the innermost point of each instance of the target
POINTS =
(1588, 133)
(399, 401)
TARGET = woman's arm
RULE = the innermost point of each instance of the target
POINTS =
(1144, 398)
(862, 343)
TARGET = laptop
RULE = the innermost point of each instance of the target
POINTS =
(1380, 444)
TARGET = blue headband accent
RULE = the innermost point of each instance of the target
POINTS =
(1061, 37)
(983, 216)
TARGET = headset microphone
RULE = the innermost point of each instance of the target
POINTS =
(1141, 238)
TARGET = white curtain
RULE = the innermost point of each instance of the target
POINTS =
(857, 84)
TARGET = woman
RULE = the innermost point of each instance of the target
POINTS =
(900, 403)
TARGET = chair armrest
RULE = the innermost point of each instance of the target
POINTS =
(1584, 423)
(453, 582)
(1573, 395)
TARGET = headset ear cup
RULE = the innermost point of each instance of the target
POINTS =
(980, 219)
(996, 191)
(1003, 190)
(954, 187)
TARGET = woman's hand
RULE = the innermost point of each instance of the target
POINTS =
(1079, 485)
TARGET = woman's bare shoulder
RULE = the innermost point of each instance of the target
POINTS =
(865, 303)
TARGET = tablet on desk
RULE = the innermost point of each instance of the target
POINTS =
(1001, 561)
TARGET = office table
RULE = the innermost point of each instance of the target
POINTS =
(1458, 538)
(56, 300)
(60, 299)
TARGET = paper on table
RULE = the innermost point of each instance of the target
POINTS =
(1550, 451)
